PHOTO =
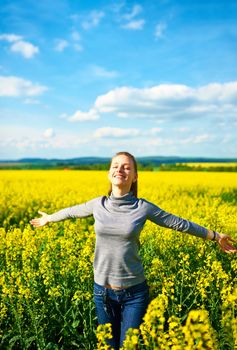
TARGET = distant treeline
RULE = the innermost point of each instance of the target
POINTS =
(105, 166)
(187, 167)
(62, 166)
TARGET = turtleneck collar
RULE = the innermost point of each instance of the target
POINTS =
(125, 197)
(122, 203)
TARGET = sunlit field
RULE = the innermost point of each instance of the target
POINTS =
(46, 274)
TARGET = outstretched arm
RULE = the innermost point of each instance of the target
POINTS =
(165, 219)
(77, 211)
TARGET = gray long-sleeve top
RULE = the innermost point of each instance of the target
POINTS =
(118, 223)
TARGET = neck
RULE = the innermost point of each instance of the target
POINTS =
(118, 192)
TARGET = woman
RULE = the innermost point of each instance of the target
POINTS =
(120, 290)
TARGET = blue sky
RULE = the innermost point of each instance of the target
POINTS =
(80, 78)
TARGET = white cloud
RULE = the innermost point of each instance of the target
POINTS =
(29, 139)
(109, 132)
(68, 140)
(84, 116)
(134, 25)
(159, 30)
(170, 102)
(201, 138)
(196, 139)
(134, 12)
(130, 21)
(20, 141)
(25, 48)
(102, 72)
(12, 86)
(93, 19)
(11, 38)
(154, 131)
(160, 142)
(61, 45)
(223, 92)
(182, 129)
(191, 140)
(166, 102)
(49, 133)
(76, 38)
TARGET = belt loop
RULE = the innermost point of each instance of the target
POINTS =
(105, 296)
(106, 304)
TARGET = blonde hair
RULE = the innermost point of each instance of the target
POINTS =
(133, 188)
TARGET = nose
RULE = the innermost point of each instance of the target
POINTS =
(120, 168)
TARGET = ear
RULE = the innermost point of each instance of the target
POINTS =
(135, 177)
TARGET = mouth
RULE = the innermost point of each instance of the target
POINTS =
(119, 176)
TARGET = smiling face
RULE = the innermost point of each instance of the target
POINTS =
(122, 172)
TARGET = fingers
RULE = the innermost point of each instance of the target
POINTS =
(229, 249)
(228, 238)
(35, 222)
(231, 239)
(226, 246)
(227, 241)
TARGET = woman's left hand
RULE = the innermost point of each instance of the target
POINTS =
(223, 241)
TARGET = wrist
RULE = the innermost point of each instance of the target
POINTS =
(213, 236)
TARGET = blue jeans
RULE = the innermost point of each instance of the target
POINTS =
(122, 308)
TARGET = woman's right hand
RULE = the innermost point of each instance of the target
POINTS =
(38, 222)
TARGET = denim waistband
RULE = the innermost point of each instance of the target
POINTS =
(131, 289)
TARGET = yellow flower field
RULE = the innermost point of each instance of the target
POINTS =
(212, 164)
(46, 275)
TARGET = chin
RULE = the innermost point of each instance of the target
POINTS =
(117, 182)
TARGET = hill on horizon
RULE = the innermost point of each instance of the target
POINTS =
(100, 160)
(102, 163)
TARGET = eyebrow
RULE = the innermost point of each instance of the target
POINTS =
(123, 163)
